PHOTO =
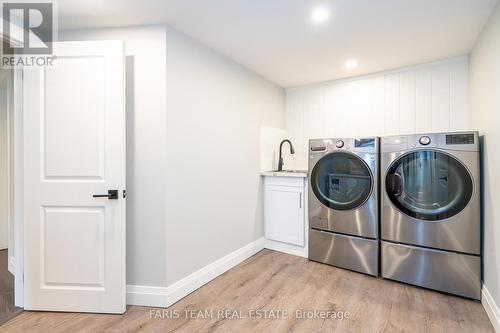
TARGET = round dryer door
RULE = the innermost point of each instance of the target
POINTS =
(429, 185)
(341, 181)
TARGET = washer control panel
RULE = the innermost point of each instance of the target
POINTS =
(361, 145)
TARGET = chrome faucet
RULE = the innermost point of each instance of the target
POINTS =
(280, 161)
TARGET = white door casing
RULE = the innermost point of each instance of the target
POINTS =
(4, 167)
(74, 148)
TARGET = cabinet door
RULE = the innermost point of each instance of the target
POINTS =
(284, 214)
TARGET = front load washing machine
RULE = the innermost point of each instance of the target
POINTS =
(343, 203)
(430, 211)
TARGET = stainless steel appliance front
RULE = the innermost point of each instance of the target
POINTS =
(354, 253)
(430, 200)
(343, 194)
(454, 273)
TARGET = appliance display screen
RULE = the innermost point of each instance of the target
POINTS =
(459, 139)
(362, 143)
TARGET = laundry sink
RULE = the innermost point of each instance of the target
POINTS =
(286, 173)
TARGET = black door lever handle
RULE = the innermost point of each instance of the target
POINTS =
(112, 195)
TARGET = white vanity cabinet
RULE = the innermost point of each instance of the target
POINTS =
(285, 213)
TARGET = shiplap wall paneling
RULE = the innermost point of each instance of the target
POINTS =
(294, 128)
(376, 122)
(441, 98)
(407, 104)
(423, 101)
(392, 103)
(459, 90)
(425, 98)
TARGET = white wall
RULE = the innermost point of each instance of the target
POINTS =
(193, 154)
(426, 98)
(146, 134)
(485, 115)
(214, 111)
(4, 230)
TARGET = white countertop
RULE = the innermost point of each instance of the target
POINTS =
(294, 173)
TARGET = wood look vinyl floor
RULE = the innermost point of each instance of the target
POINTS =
(276, 281)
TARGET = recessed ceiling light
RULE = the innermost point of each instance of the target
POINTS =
(351, 63)
(320, 14)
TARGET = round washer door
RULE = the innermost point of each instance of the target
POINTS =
(429, 185)
(341, 181)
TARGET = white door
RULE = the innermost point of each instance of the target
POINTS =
(74, 148)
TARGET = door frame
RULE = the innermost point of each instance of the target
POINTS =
(17, 185)
(15, 174)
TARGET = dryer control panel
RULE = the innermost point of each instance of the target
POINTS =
(460, 141)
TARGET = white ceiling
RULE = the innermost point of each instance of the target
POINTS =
(276, 38)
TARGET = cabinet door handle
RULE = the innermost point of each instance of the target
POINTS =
(300, 200)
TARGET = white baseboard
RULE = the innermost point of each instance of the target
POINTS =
(294, 250)
(166, 296)
(491, 308)
(147, 296)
